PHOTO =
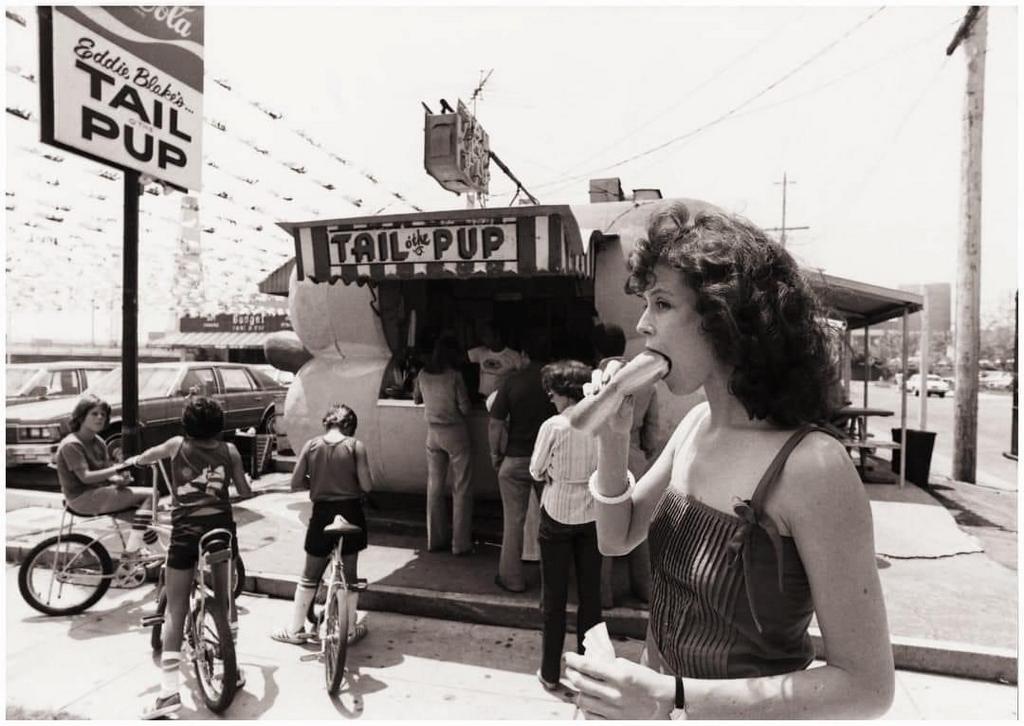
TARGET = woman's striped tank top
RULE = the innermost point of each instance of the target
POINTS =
(729, 597)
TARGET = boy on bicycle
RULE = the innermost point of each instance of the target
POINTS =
(202, 466)
(335, 470)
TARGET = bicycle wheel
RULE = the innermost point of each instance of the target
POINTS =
(238, 573)
(335, 639)
(66, 575)
(156, 632)
(213, 656)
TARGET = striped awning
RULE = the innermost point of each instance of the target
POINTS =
(541, 240)
(211, 340)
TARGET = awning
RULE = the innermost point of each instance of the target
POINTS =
(539, 240)
(859, 303)
(276, 283)
(211, 340)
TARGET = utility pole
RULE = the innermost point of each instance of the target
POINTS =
(782, 230)
(972, 34)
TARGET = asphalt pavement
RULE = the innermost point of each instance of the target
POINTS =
(98, 666)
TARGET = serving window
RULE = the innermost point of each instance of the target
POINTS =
(416, 312)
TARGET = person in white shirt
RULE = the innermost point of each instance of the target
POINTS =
(496, 360)
(564, 458)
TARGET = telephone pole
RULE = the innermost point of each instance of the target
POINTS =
(972, 34)
(782, 230)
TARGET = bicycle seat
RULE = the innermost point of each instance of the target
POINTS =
(342, 526)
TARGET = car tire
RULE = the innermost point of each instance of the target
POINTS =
(267, 423)
(114, 447)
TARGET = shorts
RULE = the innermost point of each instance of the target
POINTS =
(183, 552)
(319, 544)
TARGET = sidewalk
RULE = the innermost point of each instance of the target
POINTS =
(406, 668)
(951, 609)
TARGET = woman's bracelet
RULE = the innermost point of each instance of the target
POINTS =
(618, 498)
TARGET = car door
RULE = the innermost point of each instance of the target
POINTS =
(244, 401)
(199, 381)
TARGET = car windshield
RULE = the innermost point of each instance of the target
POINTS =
(153, 383)
(18, 379)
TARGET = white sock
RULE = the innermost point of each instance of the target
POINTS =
(170, 673)
(134, 540)
(304, 593)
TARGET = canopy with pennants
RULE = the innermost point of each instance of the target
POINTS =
(539, 240)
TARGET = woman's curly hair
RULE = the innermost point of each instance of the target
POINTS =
(760, 314)
(566, 378)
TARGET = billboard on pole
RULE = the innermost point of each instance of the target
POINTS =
(123, 85)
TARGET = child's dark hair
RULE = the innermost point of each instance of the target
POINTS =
(203, 417)
(341, 417)
(566, 378)
(86, 404)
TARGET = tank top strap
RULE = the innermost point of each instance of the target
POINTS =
(771, 474)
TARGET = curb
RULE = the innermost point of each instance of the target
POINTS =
(914, 654)
(960, 660)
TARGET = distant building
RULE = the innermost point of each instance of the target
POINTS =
(938, 298)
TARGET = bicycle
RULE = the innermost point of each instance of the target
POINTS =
(331, 622)
(68, 573)
(208, 643)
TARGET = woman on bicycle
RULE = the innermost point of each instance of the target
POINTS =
(88, 478)
(202, 466)
(335, 470)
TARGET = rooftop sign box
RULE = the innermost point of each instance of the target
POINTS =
(457, 152)
(123, 85)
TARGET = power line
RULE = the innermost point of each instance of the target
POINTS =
(684, 97)
(849, 200)
(689, 134)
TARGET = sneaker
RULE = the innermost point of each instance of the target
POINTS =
(548, 685)
(358, 633)
(130, 559)
(164, 706)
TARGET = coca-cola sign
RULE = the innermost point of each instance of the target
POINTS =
(174, 17)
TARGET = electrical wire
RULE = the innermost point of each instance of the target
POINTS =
(687, 95)
(560, 183)
(849, 200)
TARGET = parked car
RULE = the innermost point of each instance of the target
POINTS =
(936, 386)
(34, 430)
(284, 378)
(27, 382)
(996, 380)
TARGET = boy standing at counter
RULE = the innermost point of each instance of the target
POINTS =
(521, 405)
(496, 361)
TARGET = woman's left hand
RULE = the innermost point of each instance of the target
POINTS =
(619, 689)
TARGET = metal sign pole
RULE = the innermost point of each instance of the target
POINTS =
(130, 319)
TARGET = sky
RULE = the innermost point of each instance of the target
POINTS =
(858, 106)
(861, 109)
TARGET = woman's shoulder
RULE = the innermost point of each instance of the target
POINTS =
(818, 481)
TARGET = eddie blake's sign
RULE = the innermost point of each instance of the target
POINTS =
(124, 85)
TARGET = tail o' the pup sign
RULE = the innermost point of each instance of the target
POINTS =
(124, 85)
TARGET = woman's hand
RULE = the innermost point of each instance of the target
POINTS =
(619, 689)
(621, 420)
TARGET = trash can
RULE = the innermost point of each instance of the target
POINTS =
(919, 447)
(255, 449)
